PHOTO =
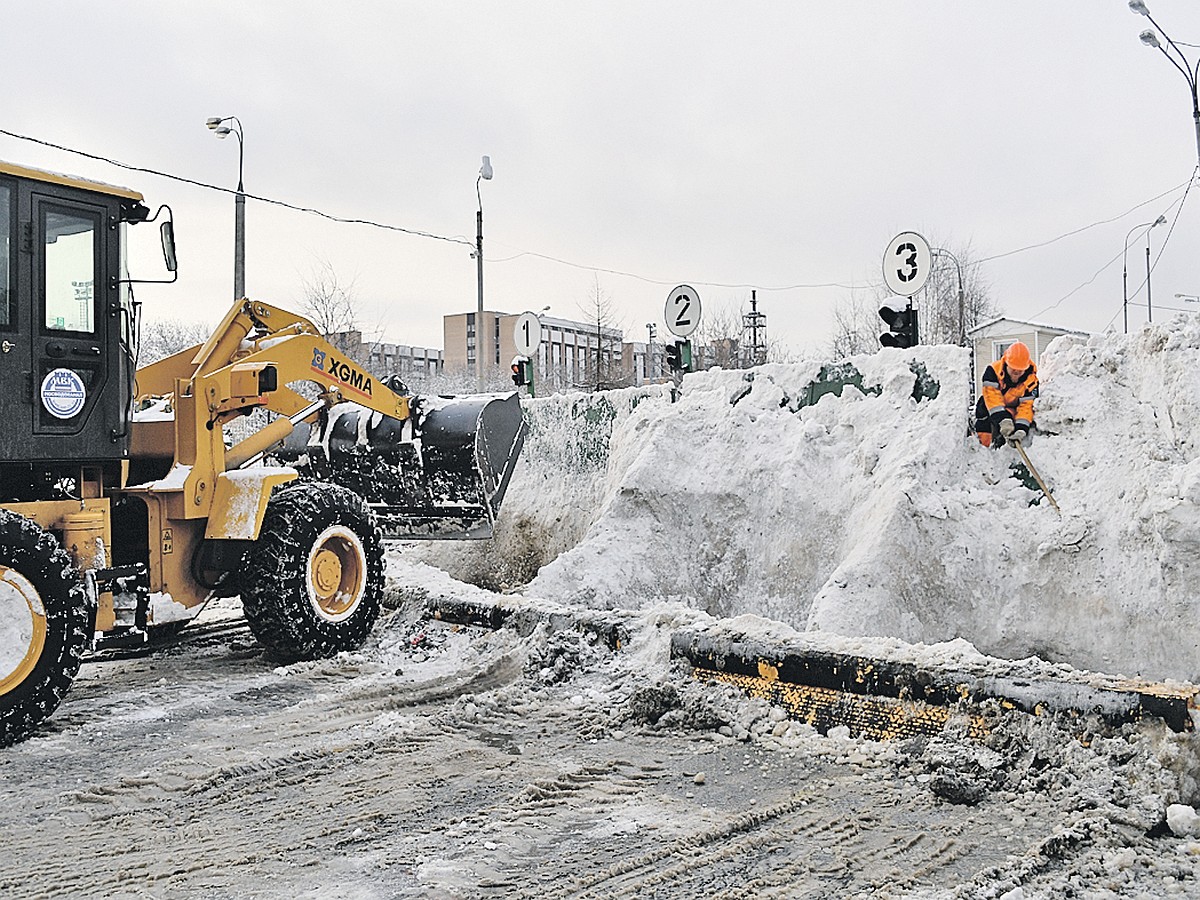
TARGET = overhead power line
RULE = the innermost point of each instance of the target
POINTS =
(1178, 212)
(584, 266)
(647, 280)
(1096, 224)
(213, 187)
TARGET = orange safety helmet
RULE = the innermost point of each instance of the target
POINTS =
(1017, 358)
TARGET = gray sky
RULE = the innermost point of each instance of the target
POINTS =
(772, 145)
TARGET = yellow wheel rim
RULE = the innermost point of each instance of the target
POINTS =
(23, 623)
(337, 573)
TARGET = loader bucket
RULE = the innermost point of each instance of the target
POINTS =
(440, 475)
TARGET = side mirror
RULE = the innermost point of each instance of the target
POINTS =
(167, 232)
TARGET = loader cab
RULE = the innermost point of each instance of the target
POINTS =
(66, 325)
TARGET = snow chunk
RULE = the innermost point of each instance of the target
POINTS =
(1183, 821)
(164, 608)
(245, 499)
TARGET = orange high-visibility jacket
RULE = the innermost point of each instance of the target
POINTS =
(1004, 398)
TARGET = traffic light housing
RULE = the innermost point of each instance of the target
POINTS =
(903, 325)
(522, 371)
(679, 356)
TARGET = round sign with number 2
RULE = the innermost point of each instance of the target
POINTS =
(682, 313)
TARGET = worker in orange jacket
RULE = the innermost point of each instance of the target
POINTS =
(1004, 413)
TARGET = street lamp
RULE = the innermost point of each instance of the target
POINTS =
(1188, 298)
(1190, 72)
(1125, 267)
(962, 331)
(485, 174)
(217, 125)
(1149, 310)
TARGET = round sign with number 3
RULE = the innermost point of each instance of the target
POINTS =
(907, 263)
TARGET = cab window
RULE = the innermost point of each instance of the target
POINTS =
(7, 288)
(70, 270)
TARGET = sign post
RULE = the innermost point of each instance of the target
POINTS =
(682, 315)
(527, 335)
(907, 263)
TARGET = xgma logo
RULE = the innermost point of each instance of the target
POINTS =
(342, 372)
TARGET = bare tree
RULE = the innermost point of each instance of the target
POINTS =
(327, 300)
(945, 314)
(956, 297)
(162, 339)
(778, 351)
(332, 306)
(723, 337)
(856, 326)
(718, 338)
(602, 369)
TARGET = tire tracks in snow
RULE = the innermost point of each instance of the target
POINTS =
(272, 774)
(792, 849)
(211, 775)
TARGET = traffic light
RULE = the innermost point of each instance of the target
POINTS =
(679, 356)
(673, 361)
(522, 370)
(903, 325)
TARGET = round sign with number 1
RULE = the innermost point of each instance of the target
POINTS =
(527, 333)
(682, 313)
(907, 263)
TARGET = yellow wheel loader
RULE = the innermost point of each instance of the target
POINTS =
(263, 463)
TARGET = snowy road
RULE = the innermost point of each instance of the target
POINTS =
(454, 762)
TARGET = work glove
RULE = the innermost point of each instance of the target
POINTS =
(1018, 435)
(1006, 428)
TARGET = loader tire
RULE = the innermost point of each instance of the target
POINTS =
(46, 625)
(313, 580)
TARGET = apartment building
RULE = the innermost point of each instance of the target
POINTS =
(464, 340)
(382, 359)
(571, 354)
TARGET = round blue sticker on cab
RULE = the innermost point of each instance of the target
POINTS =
(63, 393)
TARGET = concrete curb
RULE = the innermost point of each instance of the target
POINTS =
(876, 696)
(523, 619)
(768, 666)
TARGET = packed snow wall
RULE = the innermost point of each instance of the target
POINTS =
(875, 512)
(558, 488)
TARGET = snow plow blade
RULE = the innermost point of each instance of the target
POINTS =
(440, 475)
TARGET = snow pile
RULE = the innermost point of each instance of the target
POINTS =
(875, 513)
(562, 480)
(739, 499)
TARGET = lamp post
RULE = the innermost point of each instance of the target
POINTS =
(485, 174)
(1190, 72)
(1125, 267)
(962, 328)
(217, 125)
(1188, 298)
(1161, 220)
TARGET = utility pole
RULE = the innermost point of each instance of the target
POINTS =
(754, 333)
(485, 174)
(651, 367)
